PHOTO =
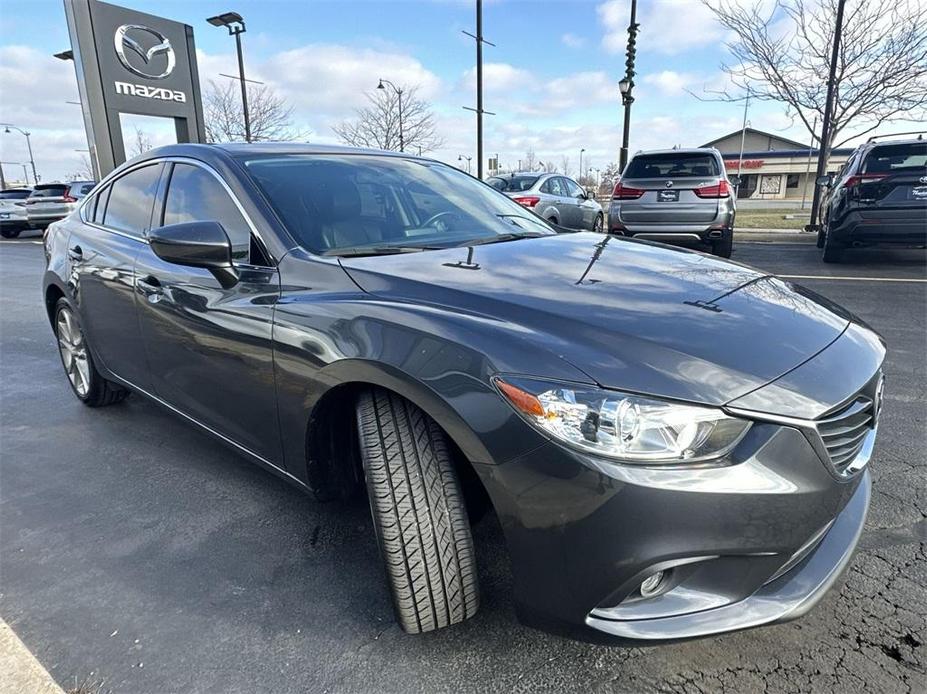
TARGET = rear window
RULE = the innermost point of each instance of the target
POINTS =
(672, 165)
(82, 188)
(513, 184)
(14, 194)
(49, 192)
(888, 159)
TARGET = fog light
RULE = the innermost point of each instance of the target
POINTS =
(651, 584)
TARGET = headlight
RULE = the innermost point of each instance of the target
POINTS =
(630, 428)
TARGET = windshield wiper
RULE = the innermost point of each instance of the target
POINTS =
(359, 251)
(500, 238)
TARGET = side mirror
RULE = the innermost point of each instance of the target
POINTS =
(823, 180)
(196, 244)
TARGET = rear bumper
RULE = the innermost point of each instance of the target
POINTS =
(874, 227)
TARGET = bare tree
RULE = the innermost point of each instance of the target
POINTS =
(377, 125)
(530, 162)
(565, 165)
(141, 143)
(783, 55)
(271, 117)
(84, 170)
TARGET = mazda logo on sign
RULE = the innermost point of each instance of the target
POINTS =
(129, 38)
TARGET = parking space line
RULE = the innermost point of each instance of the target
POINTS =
(852, 279)
(20, 671)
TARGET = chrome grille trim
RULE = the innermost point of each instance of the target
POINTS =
(844, 436)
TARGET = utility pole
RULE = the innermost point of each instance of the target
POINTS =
(479, 87)
(743, 137)
(804, 188)
(824, 142)
(627, 85)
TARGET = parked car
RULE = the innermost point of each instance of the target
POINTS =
(879, 197)
(13, 212)
(679, 196)
(50, 202)
(558, 199)
(675, 445)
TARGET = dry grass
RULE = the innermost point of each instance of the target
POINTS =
(772, 219)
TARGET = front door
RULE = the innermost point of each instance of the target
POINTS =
(210, 348)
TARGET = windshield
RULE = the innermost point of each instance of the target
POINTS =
(672, 165)
(335, 204)
(513, 184)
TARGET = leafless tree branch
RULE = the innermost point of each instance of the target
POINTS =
(377, 125)
(271, 117)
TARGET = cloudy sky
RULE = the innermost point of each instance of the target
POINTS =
(551, 78)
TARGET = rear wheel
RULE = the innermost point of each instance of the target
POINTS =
(833, 252)
(553, 220)
(598, 224)
(88, 385)
(418, 513)
(725, 245)
(822, 234)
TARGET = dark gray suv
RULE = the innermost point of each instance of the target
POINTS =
(675, 445)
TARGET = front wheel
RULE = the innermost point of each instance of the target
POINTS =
(598, 224)
(88, 385)
(10, 233)
(418, 513)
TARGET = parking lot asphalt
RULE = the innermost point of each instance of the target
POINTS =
(138, 553)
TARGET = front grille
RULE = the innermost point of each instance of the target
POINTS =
(844, 432)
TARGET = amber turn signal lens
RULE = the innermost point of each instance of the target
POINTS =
(524, 401)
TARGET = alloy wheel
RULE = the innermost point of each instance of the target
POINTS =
(73, 351)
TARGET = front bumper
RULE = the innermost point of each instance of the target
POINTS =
(754, 542)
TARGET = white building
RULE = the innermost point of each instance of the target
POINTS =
(773, 167)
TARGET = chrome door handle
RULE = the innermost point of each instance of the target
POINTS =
(149, 284)
(75, 253)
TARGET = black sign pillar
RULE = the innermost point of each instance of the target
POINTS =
(134, 63)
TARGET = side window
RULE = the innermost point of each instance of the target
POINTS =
(545, 186)
(194, 195)
(573, 188)
(130, 199)
(559, 187)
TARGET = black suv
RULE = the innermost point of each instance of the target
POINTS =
(879, 197)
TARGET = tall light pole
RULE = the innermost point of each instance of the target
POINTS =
(626, 85)
(461, 157)
(8, 127)
(398, 92)
(236, 26)
(581, 164)
(479, 87)
(824, 142)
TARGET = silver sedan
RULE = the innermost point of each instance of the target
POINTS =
(554, 197)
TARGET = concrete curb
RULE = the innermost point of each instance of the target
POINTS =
(19, 669)
(774, 236)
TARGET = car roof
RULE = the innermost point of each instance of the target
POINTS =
(906, 141)
(512, 174)
(240, 149)
(680, 150)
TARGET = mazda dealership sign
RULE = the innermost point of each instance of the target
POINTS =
(132, 62)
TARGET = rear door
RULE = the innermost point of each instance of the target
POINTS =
(210, 348)
(671, 182)
(101, 255)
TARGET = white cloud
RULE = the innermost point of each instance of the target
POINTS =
(670, 82)
(572, 40)
(668, 26)
(498, 77)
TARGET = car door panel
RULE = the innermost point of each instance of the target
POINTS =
(210, 348)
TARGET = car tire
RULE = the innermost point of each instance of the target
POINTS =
(725, 245)
(418, 513)
(88, 385)
(10, 233)
(599, 224)
(822, 234)
(554, 221)
(833, 252)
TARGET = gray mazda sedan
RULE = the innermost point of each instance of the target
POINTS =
(675, 445)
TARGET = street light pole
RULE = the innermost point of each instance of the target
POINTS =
(581, 165)
(398, 91)
(236, 26)
(9, 126)
(627, 84)
(824, 142)
(461, 157)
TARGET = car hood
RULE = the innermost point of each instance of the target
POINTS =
(631, 315)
